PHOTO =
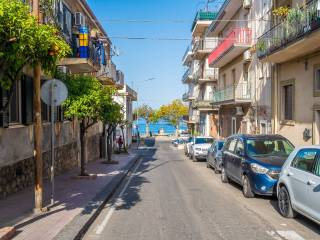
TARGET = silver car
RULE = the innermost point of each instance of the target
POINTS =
(298, 187)
(214, 157)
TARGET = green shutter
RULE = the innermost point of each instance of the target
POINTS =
(4, 117)
(27, 100)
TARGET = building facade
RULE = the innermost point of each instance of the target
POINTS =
(91, 56)
(200, 77)
(292, 46)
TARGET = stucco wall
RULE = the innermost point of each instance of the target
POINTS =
(303, 75)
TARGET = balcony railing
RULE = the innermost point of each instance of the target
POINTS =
(188, 97)
(203, 104)
(211, 73)
(186, 54)
(91, 54)
(239, 92)
(207, 44)
(238, 36)
(120, 78)
(299, 23)
(187, 76)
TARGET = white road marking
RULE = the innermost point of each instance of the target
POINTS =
(118, 202)
(287, 235)
(290, 235)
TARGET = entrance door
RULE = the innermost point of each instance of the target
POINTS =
(317, 128)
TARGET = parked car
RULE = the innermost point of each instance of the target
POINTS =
(187, 146)
(298, 188)
(255, 161)
(214, 157)
(199, 148)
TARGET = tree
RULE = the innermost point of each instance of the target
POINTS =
(145, 112)
(172, 112)
(112, 116)
(24, 43)
(87, 102)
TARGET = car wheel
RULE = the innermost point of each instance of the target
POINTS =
(224, 176)
(216, 171)
(208, 165)
(284, 203)
(246, 188)
(194, 158)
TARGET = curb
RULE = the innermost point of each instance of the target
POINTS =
(81, 223)
(7, 233)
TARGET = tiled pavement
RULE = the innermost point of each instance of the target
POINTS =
(71, 196)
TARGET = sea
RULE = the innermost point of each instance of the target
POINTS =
(167, 127)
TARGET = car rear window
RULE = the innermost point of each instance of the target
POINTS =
(204, 140)
(269, 147)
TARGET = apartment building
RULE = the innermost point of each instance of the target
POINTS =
(291, 44)
(91, 55)
(243, 90)
(200, 77)
(126, 97)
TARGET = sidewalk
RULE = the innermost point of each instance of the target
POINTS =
(72, 196)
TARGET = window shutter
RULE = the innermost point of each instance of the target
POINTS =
(27, 100)
(60, 114)
(4, 117)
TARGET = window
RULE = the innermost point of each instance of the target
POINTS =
(305, 160)
(245, 72)
(67, 21)
(224, 81)
(317, 81)
(287, 102)
(15, 105)
(269, 147)
(240, 147)
(45, 112)
(317, 168)
(232, 145)
(233, 125)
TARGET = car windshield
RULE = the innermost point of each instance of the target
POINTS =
(204, 140)
(220, 145)
(269, 147)
(190, 139)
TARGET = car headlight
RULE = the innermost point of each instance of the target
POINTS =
(274, 174)
(256, 168)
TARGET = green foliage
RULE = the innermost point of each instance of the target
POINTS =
(145, 112)
(88, 99)
(172, 112)
(281, 11)
(23, 42)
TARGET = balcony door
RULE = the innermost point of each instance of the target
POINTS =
(233, 125)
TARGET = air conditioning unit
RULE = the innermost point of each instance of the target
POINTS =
(63, 69)
(79, 19)
(247, 4)
(247, 56)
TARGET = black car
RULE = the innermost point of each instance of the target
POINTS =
(255, 161)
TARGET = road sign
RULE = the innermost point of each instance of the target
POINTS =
(58, 88)
(53, 93)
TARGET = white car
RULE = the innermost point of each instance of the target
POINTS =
(298, 187)
(187, 146)
(199, 148)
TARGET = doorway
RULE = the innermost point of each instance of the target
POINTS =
(233, 126)
(316, 133)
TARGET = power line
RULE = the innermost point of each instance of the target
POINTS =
(175, 21)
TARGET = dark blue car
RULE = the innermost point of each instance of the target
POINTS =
(255, 161)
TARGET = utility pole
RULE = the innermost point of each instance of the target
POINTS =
(37, 123)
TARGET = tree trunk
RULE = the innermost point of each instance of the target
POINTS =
(124, 140)
(109, 143)
(83, 171)
(177, 130)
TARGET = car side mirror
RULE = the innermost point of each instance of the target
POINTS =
(240, 153)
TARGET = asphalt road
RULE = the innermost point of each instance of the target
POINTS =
(171, 198)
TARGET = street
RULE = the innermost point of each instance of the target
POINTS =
(168, 196)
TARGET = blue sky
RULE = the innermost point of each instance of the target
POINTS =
(144, 59)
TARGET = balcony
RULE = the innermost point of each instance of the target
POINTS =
(87, 61)
(237, 41)
(226, 12)
(202, 48)
(294, 37)
(119, 79)
(108, 74)
(188, 97)
(202, 20)
(187, 57)
(187, 77)
(204, 105)
(207, 75)
(131, 93)
(239, 93)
